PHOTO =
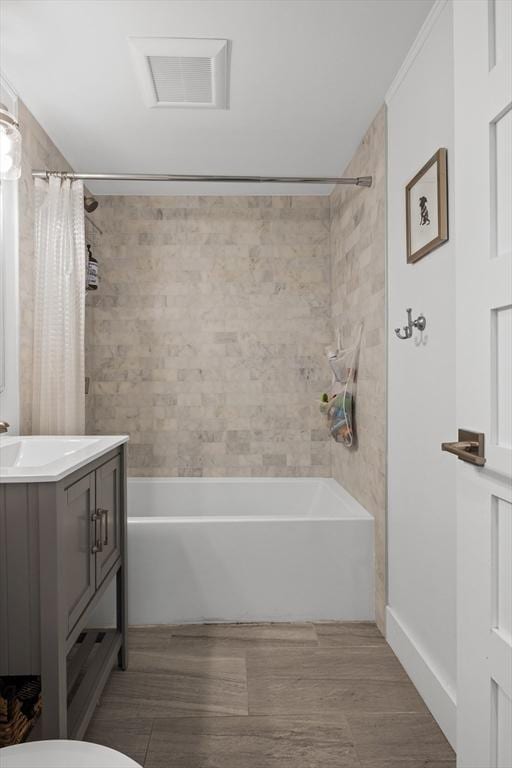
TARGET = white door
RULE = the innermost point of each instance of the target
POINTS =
(482, 230)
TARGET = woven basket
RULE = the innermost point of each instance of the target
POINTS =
(19, 711)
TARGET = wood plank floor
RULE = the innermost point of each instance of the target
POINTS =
(327, 695)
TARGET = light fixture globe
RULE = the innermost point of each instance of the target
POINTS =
(10, 146)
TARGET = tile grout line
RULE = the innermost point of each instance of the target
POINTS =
(354, 743)
(148, 742)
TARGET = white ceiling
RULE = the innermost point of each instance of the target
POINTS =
(306, 78)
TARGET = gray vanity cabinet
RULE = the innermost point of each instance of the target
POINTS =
(78, 547)
(61, 545)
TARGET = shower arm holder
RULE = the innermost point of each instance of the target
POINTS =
(420, 323)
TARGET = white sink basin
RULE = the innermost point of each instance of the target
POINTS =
(41, 451)
(47, 458)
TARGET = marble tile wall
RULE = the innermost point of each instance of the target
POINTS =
(358, 279)
(38, 152)
(208, 334)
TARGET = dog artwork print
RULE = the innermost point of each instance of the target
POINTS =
(426, 199)
(424, 217)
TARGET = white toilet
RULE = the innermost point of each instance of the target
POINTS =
(63, 754)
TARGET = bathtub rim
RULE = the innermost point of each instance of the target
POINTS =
(358, 512)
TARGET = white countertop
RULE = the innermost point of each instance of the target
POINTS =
(46, 459)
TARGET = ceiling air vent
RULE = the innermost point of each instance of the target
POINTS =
(181, 72)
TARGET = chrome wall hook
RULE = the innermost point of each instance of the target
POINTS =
(420, 323)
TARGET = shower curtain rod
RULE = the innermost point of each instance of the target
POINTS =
(359, 181)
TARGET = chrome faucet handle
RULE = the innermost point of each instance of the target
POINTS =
(4, 426)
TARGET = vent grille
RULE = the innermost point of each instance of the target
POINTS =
(181, 72)
(182, 79)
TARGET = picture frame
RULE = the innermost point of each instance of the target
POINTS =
(426, 205)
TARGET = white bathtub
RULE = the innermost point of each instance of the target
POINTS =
(284, 549)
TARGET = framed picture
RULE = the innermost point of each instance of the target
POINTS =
(426, 204)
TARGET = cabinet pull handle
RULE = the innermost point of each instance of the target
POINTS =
(103, 515)
(98, 545)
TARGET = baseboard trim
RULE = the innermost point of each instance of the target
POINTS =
(436, 693)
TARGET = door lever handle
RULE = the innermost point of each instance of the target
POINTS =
(469, 447)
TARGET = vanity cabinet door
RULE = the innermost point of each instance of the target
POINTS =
(108, 514)
(78, 547)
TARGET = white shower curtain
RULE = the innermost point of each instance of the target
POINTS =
(58, 386)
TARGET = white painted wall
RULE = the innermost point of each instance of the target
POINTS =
(421, 388)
